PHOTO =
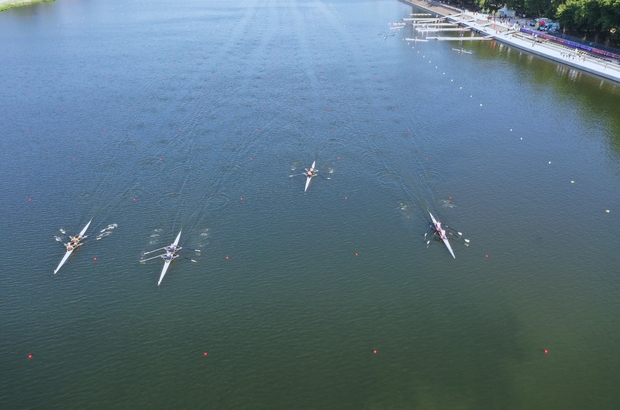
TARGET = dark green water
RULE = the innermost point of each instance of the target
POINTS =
(160, 116)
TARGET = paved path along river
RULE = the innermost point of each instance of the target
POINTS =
(509, 33)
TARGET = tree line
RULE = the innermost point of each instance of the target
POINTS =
(598, 19)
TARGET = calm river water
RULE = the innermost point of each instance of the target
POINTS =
(160, 116)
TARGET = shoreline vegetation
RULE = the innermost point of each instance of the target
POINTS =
(596, 21)
(9, 4)
(514, 35)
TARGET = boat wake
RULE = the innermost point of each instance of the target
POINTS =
(107, 231)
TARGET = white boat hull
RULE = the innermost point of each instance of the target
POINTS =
(308, 179)
(68, 253)
(62, 262)
(445, 240)
(163, 271)
(167, 261)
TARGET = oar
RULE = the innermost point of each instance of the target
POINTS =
(428, 243)
(148, 259)
(158, 249)
(459, 237)
(453, 230)
(430, 229)
(459, 233)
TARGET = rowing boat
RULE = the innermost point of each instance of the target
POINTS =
(69, 252)
(442, 234)
(173, 256)
(308, 178)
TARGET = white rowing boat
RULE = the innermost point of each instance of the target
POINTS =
(70, 251)
(309, 177)
(460, 50)
(172, 255)
(442, 234)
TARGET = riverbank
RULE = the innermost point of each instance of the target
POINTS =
(510, 34)
(9, 4)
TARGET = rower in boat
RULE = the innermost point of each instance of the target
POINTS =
(310, 172)
(74, 242)
(440, 231)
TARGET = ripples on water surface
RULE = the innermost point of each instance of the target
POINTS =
(160, 117)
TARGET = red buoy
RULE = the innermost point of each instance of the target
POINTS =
(30, 356)
(374, 352)
(94, 259)
(205, 354)
(545, 351)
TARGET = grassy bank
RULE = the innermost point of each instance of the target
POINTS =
(9, 4)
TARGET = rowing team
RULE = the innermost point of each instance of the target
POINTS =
(440, 231)
(170, 251)
(74, 243)
(310, 173)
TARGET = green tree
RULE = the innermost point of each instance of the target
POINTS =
(599, 17)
